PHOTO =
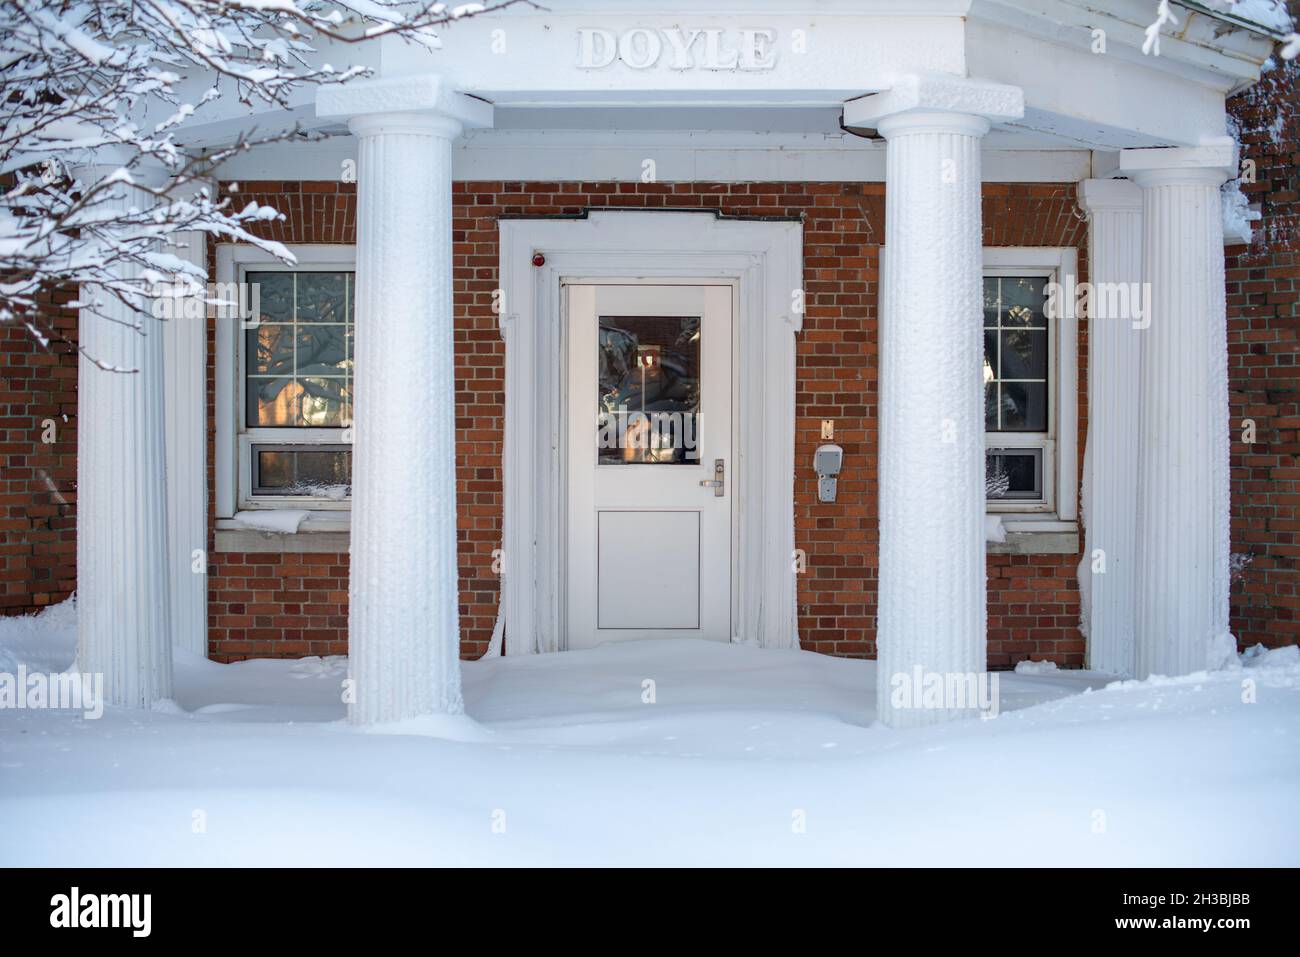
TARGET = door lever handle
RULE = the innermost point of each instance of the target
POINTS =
(719, 481)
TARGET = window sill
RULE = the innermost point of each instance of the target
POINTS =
(324, 532)
(1036, 536)
(328, 533)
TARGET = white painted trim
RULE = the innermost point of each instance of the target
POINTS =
(1107, 616)
(251, 540)
(422, 99)
(231, 445)
(923, 99)
(185, 454)
(765, 260)
(1037, 543)
(1063, 262)
(564, 155)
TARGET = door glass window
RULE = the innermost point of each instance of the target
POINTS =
(648, 385)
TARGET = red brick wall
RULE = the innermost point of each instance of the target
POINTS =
(38, 523)
(296, 604)
(279, 605)
(1263, 317)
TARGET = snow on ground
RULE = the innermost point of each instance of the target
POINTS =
(746, 756)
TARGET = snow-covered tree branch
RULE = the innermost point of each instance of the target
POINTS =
(98, 92)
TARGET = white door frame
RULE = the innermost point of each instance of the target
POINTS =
(764, 258)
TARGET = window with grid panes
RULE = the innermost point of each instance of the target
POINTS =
(1018, 384)
(297, 386)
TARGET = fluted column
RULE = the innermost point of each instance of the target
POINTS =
(931, 618)
(123, 610)
(403, 614)
(403, 622)
(184, 388)
(1108, 567)
(1183, 504)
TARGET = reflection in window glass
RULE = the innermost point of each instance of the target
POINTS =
(1011, 474)
(1015, 354)
(299, 356)
(1017, 376)
(648, 384)
(318, 471)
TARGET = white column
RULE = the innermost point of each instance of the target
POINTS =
(184, 391)
(1183, 505)
(1108, 567)
(403, 619)
(931, 617)
(123, 608)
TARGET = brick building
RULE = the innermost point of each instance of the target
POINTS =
(717, 237)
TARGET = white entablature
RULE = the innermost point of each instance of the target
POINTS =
(776, 69)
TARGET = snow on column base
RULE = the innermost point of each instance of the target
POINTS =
(446, 727)
(1223, 652)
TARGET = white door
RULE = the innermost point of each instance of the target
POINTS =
(650, 462)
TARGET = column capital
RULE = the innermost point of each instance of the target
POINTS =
(104, 161)
(936, 102)
(422, 103)
(1116, 195)
(1213, 163)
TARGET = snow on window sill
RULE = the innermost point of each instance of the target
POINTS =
(327, 532)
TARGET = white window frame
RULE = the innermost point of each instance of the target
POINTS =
(234, 439)
(1060, 502)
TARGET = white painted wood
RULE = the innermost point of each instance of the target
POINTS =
(1197, 50)
(931, 612)
(1108, 568)
(822, 55)
(233, 440)
(225, 389)
(403, 611)
(123, 581)
(610, 156)
(649, 579)
(185, 405)
(1097, 107)
(1060, 264)
(559, 153)
(1183, 502)
(764, 259)
(403, 94)
(649, 549)
(824, 52)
